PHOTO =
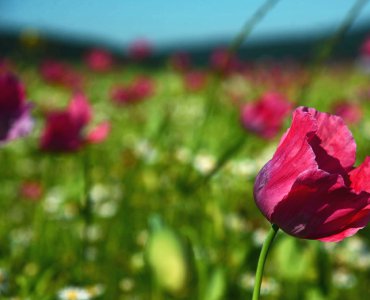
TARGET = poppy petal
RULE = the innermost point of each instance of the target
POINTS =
(293, 156)
(80, 109)
(360, 177)
(320, 205)
(99, 133)
(335, 137)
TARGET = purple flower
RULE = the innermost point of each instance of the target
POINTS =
(15, 118)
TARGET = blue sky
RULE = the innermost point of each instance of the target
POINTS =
(167, 22)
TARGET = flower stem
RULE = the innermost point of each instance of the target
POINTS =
(262, 259)
(250, 24)
(87, 203)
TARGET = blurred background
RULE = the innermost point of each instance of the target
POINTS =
(131, 134)
(292, 27)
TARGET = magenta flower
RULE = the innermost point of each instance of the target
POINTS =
(99, 60)
(224, 62)
(122, 95)
(180, 62)
(265, 116)
(310, 188)
(365, 48)
(351, 113)
(31, 190)
(141, 89)
(64, 129)
(277, 75)
(15, 118)
(59, 73)
(195, 80)
(140, 49)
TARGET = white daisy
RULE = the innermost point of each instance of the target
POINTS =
(73, 293)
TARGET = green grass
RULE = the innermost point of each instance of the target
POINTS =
(159, 228)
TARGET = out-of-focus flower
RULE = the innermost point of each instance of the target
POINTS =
(126, 284)
(364, 59)
(96, 290)
(183, 155)
(92, 233)
(20, 238)
(224, 62)
(259, 236)
(142, 237)
(59, 73)
(140, 49)
(350, 112)
(353, 253)
(195, 80)
(365, 48)
(74, 293)
(137, 261)
(122, 95)
(145, 150)
(310, 188)
(140, 89)
(106, 209)
(99, 193)
(143, 87)
(31, 190)
(275, 75)
(236, 87)
(180, 61)
(63, 131)
(31, 269)
(204, 163)
(99, 60)
(268, 287)
(15, 118)
(343, 279)
(266, 116)
(54, 200)
(237, 223)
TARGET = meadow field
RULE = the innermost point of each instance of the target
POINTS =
(159, 204)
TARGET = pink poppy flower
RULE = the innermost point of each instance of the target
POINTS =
(351, 113)
(195, 80)
(365, 48)
(278, 76)
(121, 94)
(64, 129)
(59, 73)
(143, 87)
(139, 90)
(140, 49)
(31, 190)
(99, 60)
(265, 116)
(15, 118)
(224, 62)
(310, 188)
(180, 62)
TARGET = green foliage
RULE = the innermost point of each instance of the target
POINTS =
(179, 155)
